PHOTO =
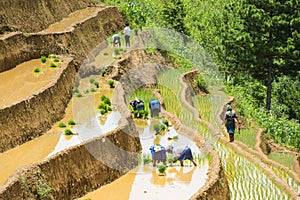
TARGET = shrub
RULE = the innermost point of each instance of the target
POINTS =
(75, 90)
(78, 95)
(96, 83)
(92, 81)
(68, 132)
(62, 125)
(53, 65)
(71, 122)
(43, 59)
(86, 91)
(36, 70)
(93, 90)
(111, 83)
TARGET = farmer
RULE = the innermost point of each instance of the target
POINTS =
(116, 40)
(127, 35)
(158, 153)
(229, 120)
(181, 154)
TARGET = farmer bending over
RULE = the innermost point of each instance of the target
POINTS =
(181, 154)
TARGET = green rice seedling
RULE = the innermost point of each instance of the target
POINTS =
(56, 60)
(36, 70)
(75, 90)
(62, 125)
(111, 83)
(92, 80)
(157, 128)
(165, 122)
(68, 132)
(102, 106)
(71, 122)
(79, 95)
(103, 72)
(105, 54)
(102, 111)
(282, 158)
(117, 51)
(96, 83)
(93, 90)
(86, 91)
(43, 59)
(103, 97)
(51, 56)
(162, 169)
(53, 65)
(146, 159)
(107, 101)
(247, 136)
(175, 137)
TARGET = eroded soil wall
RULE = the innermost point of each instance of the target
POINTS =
(76, 171)
(19, 47)
(36, 15)
(29, 118)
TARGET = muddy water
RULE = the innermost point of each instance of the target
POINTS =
(21, 82)
(74, 18)
(144, 182)
(84, 112)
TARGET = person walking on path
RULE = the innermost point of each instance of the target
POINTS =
(127, 35)
(181, 154)
(229, 120)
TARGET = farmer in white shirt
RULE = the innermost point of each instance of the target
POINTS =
(127, 35)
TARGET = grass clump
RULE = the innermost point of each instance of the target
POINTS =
(71, 122)
(62, 125)
(105, 54)
(165, 122)
(53, 65)
(159, 128)
(111, 83)
(43, 59)
(146, 160)
(51, 56)
(105, 106)
(93, 90)
(141, 114)
(36, 70)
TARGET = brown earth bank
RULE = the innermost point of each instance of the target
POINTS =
(29, 118)
(84, 37)
(82, 168)
(32, 117)
(36, 15)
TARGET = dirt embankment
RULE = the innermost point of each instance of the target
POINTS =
(29, 118)
(16, 48)
(80, 169)
(36, 15)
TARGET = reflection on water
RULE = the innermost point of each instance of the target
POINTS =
(144, 182)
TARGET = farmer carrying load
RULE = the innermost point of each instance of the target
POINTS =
(229, 120)
(158, 153)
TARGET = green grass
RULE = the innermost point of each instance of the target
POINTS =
(282, 158)
(247, 136)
